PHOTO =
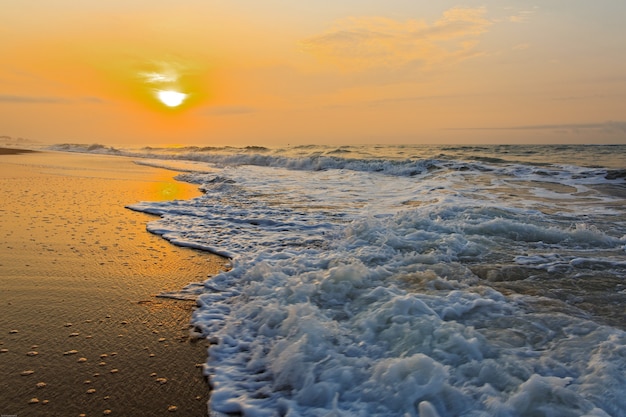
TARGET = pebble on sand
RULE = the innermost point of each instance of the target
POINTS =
(28, 372)
(33, 400)
(70, 352)
(13, 331)
(172, 408)
(81, 360)
(40, 384)
(32, 353)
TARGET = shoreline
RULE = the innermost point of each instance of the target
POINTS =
(14, 151)
(81, 328)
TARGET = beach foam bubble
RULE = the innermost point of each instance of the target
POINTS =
(356, 292)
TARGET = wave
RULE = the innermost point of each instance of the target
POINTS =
(83, 148)
(360, 159)
(391, 286)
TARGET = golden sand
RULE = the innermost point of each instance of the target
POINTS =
(81, 331)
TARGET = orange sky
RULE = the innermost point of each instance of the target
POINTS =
(274, 72)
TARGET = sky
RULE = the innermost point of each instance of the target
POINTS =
(278, 72)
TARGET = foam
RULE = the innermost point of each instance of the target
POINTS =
(352, 291)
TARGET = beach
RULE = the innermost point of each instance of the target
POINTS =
(360, 281)
(82, 329)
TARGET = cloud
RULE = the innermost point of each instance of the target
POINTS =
(17, 99)
(521, 16)
(162, 72)
(229, 110)
(157, 78)
(588, 97)
(410, 99)
(32, 99)
(606, 127)
(362, 42)
(171, 73)
(91, 99)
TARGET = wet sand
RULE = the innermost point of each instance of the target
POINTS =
(81, 329)
(12, 151)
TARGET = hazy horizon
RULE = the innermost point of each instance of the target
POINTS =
(270, 74)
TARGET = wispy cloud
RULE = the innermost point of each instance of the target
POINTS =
(229, 110)
(606, 127)
(157, 77)
(588, 97)
(521, 47)
(4, 98)
(521, 16)
(162, 72)
(19, 99)
(410, 99)
(362, 42)
(91, 99)
(170, 75)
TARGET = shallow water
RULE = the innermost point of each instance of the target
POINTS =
(407, 280)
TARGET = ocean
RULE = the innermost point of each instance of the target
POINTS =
(405, 280)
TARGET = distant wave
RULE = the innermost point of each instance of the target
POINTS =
(389, 161)
(84, 148)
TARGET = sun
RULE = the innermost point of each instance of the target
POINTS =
(171, 98)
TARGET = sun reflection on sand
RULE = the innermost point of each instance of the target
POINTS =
(162, 191)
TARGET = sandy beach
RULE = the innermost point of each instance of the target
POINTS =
(81, 329)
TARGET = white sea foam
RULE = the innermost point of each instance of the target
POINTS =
(354, 289)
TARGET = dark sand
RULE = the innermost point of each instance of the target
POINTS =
(81, 331)
(11, 151)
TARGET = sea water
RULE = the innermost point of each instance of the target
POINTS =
(406, 280)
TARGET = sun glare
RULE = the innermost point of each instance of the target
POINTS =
(171, 98)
